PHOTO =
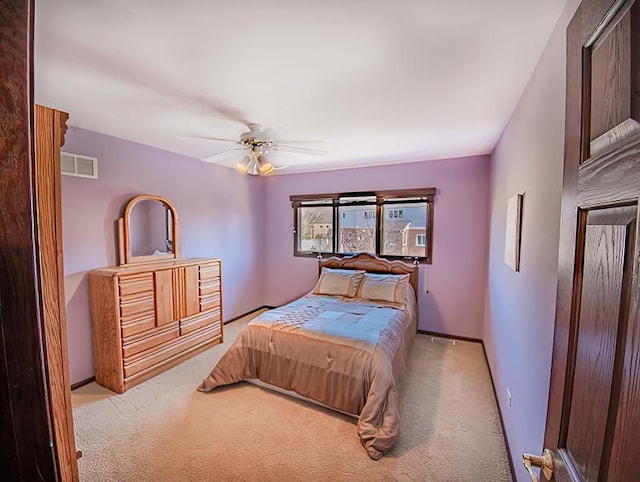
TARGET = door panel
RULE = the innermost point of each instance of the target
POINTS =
(610, 68)
(610, 73)
(625, 445)
(607, 234)
(624, 439)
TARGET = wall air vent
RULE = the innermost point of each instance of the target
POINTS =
(79, 166)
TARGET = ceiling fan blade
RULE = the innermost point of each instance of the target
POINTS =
(309, 144)
(206, 138)
(299, 150)
(224, 155)
(227, 111)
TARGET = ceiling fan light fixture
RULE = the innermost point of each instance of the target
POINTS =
(266, 168)
(253, 164)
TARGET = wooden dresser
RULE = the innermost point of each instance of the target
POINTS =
(156, 309)
(148, 318)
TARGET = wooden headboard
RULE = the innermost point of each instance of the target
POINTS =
(373, 264)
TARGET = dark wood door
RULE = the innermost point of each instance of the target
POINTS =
(27, 444)
(593, 422)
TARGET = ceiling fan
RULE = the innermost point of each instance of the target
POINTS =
(255, 144)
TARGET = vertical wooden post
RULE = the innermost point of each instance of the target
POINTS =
(50, 126)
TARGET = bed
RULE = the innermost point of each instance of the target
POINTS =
(345, 344)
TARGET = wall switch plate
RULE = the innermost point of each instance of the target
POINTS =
(509, 396)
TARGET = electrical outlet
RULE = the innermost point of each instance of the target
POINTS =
(509, 396)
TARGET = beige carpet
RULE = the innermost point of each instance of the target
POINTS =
(164, 430)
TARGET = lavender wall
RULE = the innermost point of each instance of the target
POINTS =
(457, 277)
(220, 211)
(520, 307)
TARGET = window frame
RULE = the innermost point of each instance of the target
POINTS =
(401, 196)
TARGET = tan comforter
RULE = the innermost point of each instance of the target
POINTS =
(346, 353)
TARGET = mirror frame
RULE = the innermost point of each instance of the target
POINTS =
(124, 233)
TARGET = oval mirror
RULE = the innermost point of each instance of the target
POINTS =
(148, 231)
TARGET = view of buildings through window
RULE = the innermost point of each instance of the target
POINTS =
(357, 229)
(316, 233)
(403, 226)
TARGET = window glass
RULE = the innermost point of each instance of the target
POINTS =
(357, 229)
(315, 229)
(403, 225)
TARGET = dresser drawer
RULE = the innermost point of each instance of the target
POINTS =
(137, 283)
(132, 305)
(154, 356)
(210, 301)
(137, 324)
(141, 342)
(193, 323)
(209, 271)
(209, 286)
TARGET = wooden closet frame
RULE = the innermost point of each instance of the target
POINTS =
(50, 127)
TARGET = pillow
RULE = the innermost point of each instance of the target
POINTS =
(343, 282)
(384, 287)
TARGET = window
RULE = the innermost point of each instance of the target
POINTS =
(316, 218)
(356, 217)
(384, 223)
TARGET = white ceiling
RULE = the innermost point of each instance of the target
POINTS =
(378, 81)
